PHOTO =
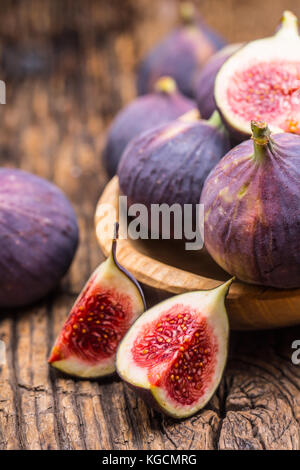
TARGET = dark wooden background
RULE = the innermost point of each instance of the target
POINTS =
(69, 66)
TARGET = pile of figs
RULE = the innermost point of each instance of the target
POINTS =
(250, 192)
(238, 154)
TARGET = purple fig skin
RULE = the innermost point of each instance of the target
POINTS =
(205, 80)
(170, 163)
(38, 237)
(144, 113)
(180, 55)
(252, 212)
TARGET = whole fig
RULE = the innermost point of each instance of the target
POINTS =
(169, 164)
(180, 54)
(38, 237)
(163, 105)
(252, 209)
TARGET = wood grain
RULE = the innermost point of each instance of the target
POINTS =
(54, 125)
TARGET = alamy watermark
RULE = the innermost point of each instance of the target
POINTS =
(296, 354)
(2, 353)
(160, 221)
(2, 92)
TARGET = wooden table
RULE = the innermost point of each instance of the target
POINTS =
(54, 125)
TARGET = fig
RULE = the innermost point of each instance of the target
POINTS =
(160, 107)
(38, 237)
(261, 81)
(175, 353)
(180, 54)
(205, 80)
(105, 309)
(169, 164)
(252, 209)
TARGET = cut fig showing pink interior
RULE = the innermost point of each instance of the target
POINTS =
(261, 81)
(175, 353)
(108, 305)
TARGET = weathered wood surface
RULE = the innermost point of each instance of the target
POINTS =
(54, 124)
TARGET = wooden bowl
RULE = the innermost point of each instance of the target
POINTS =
(165, 268)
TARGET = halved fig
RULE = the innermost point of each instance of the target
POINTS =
(108, 305)
(175, 353)
(261, 82)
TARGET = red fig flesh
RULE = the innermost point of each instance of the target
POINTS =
(109, 303)
(261, 82)
(175, 353)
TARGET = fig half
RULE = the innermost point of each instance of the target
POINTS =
(175, 353)
(261, 82)
(109, 303)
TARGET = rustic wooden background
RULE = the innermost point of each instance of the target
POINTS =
(69, 66)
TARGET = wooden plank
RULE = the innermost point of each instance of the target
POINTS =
(54, 124)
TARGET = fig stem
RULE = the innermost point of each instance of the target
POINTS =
(261, 139)
(112, 259)
(289, 24)
(187, 13)
(114, 243)
(165, 85)
(216, 121)
(116, 231)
